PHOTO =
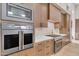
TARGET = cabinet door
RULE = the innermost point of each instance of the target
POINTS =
(49, 47)
(37, 17)
(40, 15)
(39, 49)
(65, 41)
(55, 14)
(62, 24)
(44, 15)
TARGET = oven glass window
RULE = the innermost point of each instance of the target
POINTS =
(27, 38)
(19, 12)
(11, 41)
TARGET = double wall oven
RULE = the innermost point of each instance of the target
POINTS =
(16, 28)
(16, 36)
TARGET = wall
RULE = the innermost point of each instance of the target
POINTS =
(73, 21)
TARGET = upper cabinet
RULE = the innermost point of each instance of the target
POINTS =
(77, 12)
(44, 14)
(65, 23)
(40, 15)
(55, 13)
(36, 15)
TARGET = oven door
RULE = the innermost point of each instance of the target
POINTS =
(27, 39)
(11, 37)
(10, 41)
(27, 35)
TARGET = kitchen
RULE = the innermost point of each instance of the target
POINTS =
(33, 29)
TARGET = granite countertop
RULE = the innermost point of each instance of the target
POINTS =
(39, 38)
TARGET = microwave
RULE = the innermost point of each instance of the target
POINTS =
(16, 12)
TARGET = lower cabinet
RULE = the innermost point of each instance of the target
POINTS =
(44, 48)
(65, 41)
(38, 47)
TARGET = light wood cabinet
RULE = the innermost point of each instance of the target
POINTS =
(27, 52)
(40, 15)
(63, 23)
(44, 15)
(49, 47)
(55, 13)
(65, 28)
(44, 48)
(36, 15)
(39, 49)
(65, 41)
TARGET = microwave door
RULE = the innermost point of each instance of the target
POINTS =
(10, 41)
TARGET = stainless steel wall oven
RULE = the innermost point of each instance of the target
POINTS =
(16, 36)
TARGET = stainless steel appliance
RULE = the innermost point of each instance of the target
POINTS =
(16, 12)
(16, 36)
(57, 44)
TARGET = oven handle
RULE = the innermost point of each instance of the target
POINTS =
(22, 38)
(20, 44)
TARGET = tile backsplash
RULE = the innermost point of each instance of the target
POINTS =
(47, 30)
(42, 31)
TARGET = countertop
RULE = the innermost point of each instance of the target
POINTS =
(39, 38)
